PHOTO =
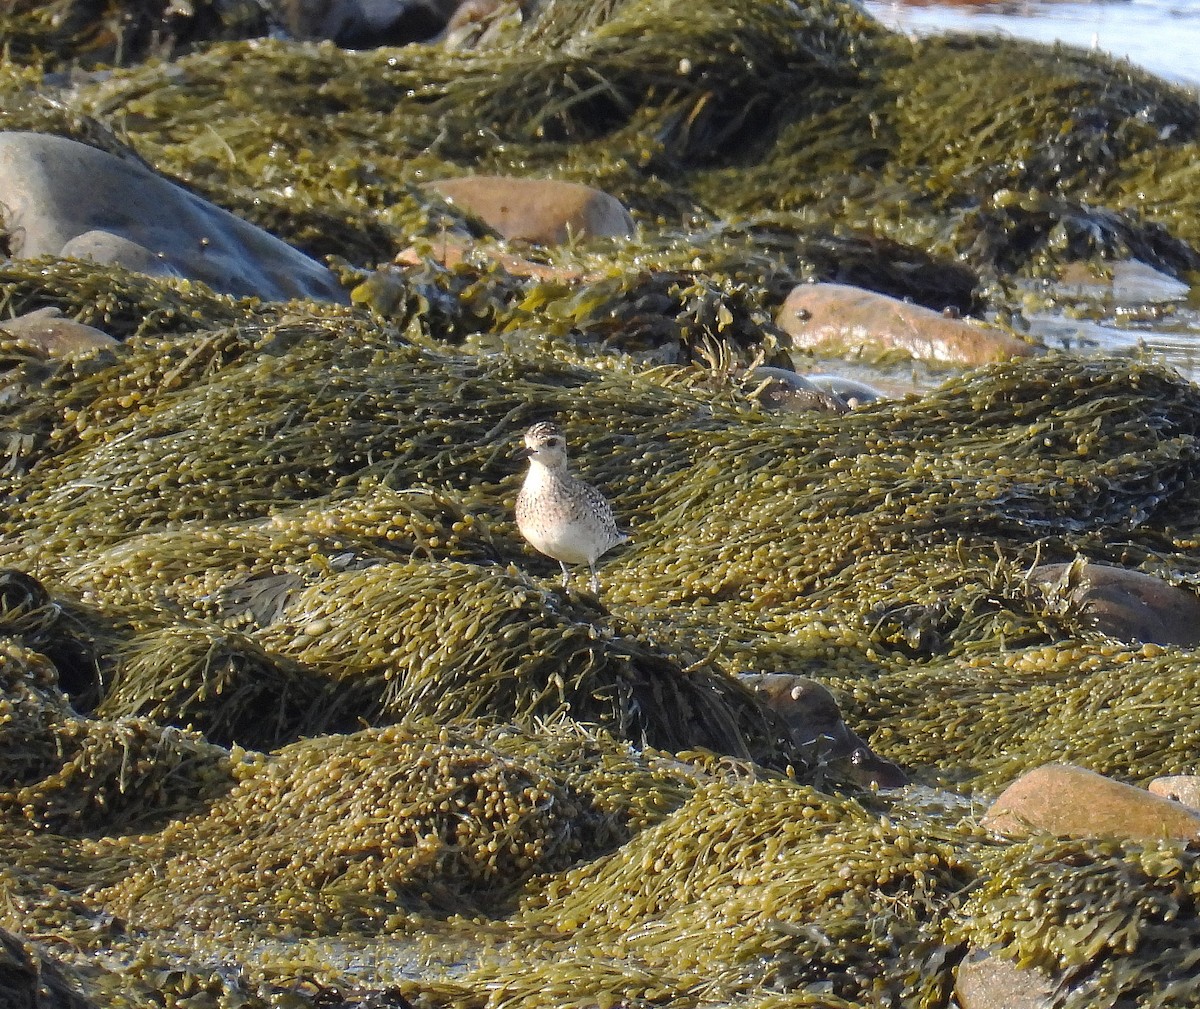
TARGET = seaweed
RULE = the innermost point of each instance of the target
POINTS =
(291, 715)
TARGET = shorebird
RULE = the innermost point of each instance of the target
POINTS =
(560, 515)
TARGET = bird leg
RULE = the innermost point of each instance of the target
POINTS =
(566, 574)
(594, 584)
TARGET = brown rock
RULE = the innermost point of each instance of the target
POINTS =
(1184, 788)
(1126, 604)
(813, 719)
(54, 336)
(542, 211)
(984, 981)
(1071, 801)
(839, 318)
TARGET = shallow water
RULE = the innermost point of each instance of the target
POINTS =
(1161, 36)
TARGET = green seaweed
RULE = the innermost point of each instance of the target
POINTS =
(291, 714)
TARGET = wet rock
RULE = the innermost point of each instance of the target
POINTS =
(1071, 801)
(1125, 604)
(812, 717)
(984, 981)
(366, 24)
(838, 318)
(541, 211)
(783, 390)
(54, 336)
(1183, 788)
(851, 391)
(29, 980)
(1128, 282)
(62, 198)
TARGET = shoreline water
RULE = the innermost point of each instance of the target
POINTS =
(1154, 34)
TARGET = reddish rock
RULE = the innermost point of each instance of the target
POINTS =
(47, 332)
(984, 981)
(1070, 801)
(1126, 604)
(1184, 788)
(838, 318)
(542, 211)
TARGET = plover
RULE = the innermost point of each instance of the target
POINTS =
(560, 515)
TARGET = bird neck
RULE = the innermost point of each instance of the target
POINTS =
(540, 472)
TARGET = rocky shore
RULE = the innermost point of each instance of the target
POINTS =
(887, 700)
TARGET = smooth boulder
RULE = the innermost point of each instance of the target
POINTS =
(841, 319)
(59, 197)
(1124, 604)
(541, 211)
(1069, 801)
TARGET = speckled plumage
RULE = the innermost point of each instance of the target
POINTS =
(560, 515)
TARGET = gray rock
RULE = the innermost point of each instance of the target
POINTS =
(852, 391)
(59, 197)
(811, 715)
(365, 24)
(106, 248)
(781, 390)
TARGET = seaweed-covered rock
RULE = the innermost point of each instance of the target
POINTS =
(29, 979)
(72, 32)
(348, 833)
(72, 775)
(132, 218)
(290, 525)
